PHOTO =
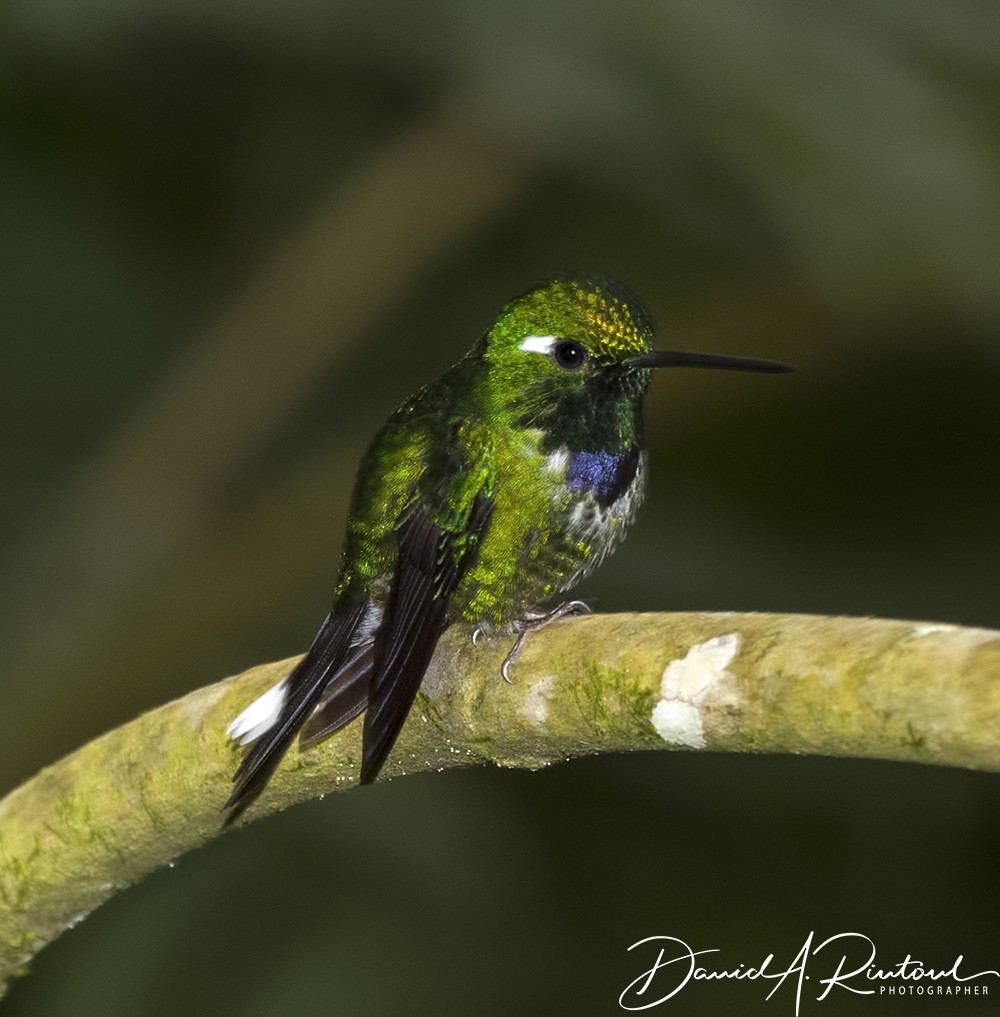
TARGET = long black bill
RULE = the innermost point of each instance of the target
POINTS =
(678, 358)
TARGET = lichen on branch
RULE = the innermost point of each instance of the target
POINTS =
(143, 794)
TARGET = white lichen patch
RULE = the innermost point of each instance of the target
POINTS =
(684, 686)
(679, 723)
(919, 631)
(536, 702)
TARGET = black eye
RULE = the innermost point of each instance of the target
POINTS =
(569, 354)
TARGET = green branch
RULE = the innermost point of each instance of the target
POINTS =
(143, 794)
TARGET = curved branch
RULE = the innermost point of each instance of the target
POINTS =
(143, 794)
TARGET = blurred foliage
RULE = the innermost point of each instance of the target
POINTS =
(235, 235)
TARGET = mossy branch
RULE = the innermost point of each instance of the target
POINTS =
(143, 794)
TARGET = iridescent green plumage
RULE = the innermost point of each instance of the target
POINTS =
(497, 486)
(488, 427)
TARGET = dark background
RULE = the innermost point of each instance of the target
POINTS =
(236, 235)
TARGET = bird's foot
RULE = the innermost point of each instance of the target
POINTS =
(532, 621)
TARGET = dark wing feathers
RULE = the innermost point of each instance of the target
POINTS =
(344, 698)
(427, 573)
(305, 684)
(338, 678)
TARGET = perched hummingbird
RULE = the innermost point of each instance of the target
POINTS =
(494, 488)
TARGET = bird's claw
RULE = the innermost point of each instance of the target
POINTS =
(511, 657)
(532, 622)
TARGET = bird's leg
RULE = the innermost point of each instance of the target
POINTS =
(532, 621)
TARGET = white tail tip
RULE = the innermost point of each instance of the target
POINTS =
(260, 716)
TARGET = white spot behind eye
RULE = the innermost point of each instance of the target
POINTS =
(538, 344)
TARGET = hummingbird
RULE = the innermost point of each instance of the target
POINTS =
(498, 486)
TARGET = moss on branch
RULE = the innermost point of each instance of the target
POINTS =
(141, 795)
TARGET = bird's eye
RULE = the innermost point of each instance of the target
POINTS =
(569, 354)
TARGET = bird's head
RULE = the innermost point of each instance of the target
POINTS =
(578, 346)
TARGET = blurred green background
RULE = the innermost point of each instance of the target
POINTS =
(236, 235)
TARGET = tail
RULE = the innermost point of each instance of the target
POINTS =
(333, 675)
